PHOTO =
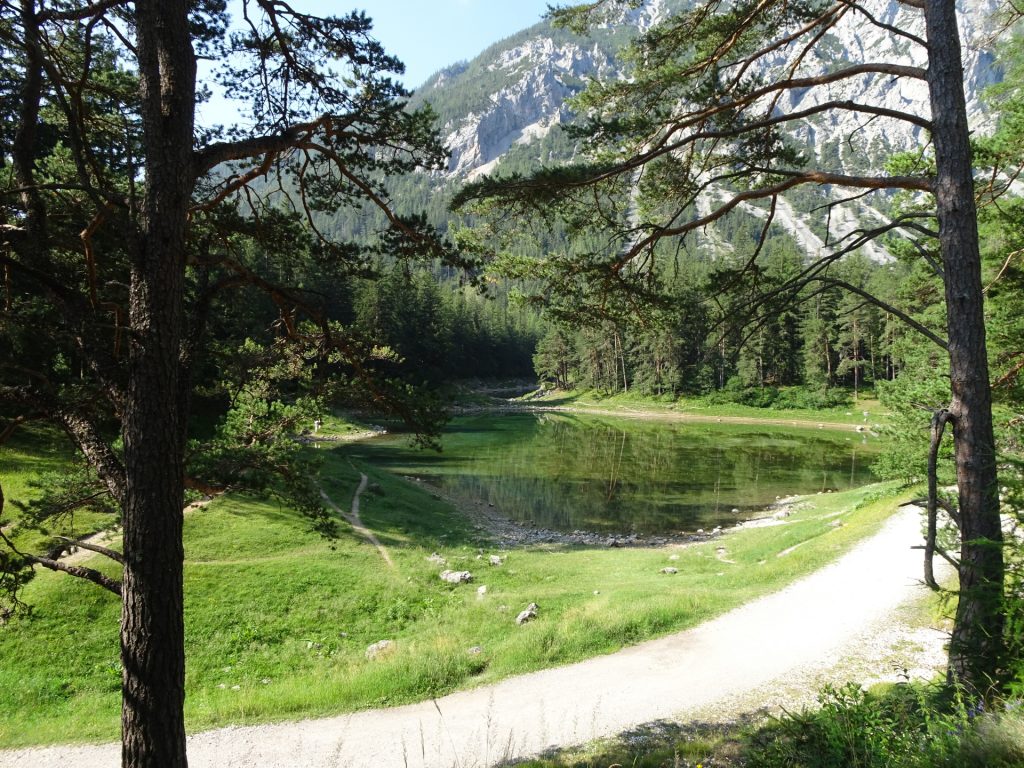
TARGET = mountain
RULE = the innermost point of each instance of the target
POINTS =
(500, 111)
(514, 92)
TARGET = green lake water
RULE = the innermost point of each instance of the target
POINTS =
(570, 471)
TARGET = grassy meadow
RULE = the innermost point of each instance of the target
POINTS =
(278, 618)
(653, 406)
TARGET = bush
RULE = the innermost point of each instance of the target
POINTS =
(782, 398)
(904, 727)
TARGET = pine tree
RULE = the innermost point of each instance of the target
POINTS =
(700, 129)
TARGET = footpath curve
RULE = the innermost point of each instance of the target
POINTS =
(352, 518)
(802, 627)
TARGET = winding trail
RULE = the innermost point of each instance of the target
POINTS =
(804, 627)
(352, 518)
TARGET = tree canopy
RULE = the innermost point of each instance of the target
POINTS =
(705, 126)
(148, 262)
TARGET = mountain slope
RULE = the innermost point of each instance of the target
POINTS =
(501, 112)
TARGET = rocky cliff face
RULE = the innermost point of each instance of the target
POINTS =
(515, 92)
(502, 107)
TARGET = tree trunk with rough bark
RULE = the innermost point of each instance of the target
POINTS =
(152, 626)
(976, 645)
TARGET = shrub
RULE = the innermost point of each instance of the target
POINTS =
(782, 398)
(903, 727)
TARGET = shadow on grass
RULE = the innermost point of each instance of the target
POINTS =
(399, 514)
(655, 745)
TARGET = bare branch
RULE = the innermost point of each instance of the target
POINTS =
(807, 177)
(89, 574)
(887, 27)
(213, 155)
(97, 450)
(922, 329)
(100, 550)
(89, 10)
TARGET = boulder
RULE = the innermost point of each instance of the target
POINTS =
(456, 577)
(528, 615)
(670, 570)
(496, 560)
(436, 559)
(380, 648)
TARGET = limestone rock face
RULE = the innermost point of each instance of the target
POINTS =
(504, 107)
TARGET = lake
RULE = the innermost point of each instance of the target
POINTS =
(573, 471)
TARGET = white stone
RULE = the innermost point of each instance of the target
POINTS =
(380, 648)
(528, 615)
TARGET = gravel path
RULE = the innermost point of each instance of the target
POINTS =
(837, 613)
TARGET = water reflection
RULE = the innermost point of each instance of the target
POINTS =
(582, 472)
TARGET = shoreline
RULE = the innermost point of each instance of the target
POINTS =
(507, 532)
(837, 620)
(662, 415)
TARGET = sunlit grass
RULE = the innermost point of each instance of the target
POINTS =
(652, 406)
(33, 452)
(278, 619)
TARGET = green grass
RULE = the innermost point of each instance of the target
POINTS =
(32, 453)
(653, 406)
(278, 619)
(902, 726)
(662, 745)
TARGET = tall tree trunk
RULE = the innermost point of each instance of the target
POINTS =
(152, 625)
(828, 359)
(976, 645)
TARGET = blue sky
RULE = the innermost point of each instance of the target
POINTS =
(430, 34)
(426, 35)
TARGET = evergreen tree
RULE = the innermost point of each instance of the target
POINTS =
(698, 130)
(553, 359)
(126, 228)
